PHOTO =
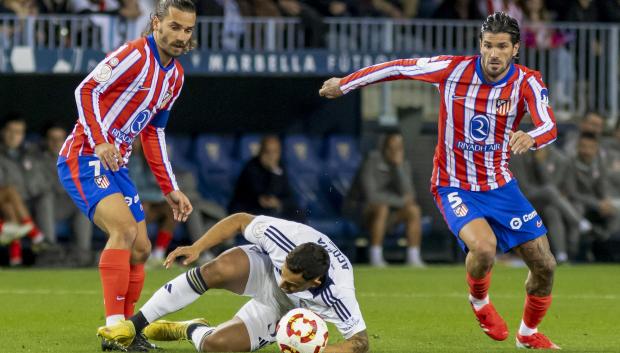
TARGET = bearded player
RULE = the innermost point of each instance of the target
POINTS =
(129, 93)
(483, 99)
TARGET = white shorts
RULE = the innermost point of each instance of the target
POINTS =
(268, 304)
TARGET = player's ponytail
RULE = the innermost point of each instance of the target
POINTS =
(161, 11)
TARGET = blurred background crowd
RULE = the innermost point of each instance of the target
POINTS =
(365, 185)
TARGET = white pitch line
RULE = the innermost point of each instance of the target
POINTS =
(456, 295)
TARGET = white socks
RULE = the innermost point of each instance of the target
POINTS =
(112, 319)
(526, 331)
(175, 295)
(199, 334)
(376, 256)
(478, 303)
(158, 254)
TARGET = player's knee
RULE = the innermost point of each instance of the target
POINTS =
(125, 232)
(140, 253)
(214, 273)
(484, 252)
(546, 268)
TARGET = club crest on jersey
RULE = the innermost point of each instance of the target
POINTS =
(461, 210)
(103, 73)
(167, 98)
(102, 182)
(503, 106)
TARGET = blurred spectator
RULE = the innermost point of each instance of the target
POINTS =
(95, 6)
(592, 123)
(81, 253)
(511, 7)
(263, 187)
(582, 11)
(610, 10)
(21, 8)
(458, 10)
(383, 197)
(23, 171)
(335, 8)
(542, 175)
(12, 227)
(311, 20)
(52, 6)
(535, 34)
(611, 145)
(588, 187)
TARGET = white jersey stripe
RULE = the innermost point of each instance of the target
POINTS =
(451, 85)
(164, 155)
(470, 109)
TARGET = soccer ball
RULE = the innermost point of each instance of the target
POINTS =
(301, 331)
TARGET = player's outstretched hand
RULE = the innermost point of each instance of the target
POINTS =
(181, 207)
(109, 156)
(520, 142)
(188, 252)
(331, 88)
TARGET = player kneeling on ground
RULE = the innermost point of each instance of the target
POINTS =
(288, 265)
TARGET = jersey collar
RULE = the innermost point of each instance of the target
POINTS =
(511, 71)
(151, 40)
(327, 281)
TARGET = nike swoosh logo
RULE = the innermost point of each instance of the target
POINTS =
(459, 97)
(119, 298)
(142, 88)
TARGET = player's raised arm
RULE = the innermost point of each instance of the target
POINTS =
(424, 69)
(221, 231)
(356, 344)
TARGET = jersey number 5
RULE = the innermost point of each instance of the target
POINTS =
(454, 199)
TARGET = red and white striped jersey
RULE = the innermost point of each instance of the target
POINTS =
(475, 117)
(129, 93)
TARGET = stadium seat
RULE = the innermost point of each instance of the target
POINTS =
(217, 170)
(248, 147)
(343, 153)
(179, 151)
(300, 154)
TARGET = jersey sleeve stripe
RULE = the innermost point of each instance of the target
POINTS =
(283, 237)
(281, 240)
(277, 242)
(339, 302)
(164, 156)
(385, 71)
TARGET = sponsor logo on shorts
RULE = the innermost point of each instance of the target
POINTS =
(129, 200)
(102, 182)
(516, 223)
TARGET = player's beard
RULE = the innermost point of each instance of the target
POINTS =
(168, 48)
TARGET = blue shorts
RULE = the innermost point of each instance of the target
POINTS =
(87, 182)
(511, 216)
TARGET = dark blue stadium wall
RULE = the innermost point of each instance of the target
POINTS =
(207, 104)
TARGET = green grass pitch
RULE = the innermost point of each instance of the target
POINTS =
(406, 310)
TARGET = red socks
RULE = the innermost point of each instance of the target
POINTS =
(35, 233)
(163, 240)
(15, 253)
(114, 273)
(136, 282)
(535, 310)
(479, 287)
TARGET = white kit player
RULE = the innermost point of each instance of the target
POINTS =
(287, 265)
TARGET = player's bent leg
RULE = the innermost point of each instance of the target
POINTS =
(230, 336)
(139, 254)
(481, 242)
(540, 260)
(113, 216)
(230, 271)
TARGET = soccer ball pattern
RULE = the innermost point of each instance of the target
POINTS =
(301, 331)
